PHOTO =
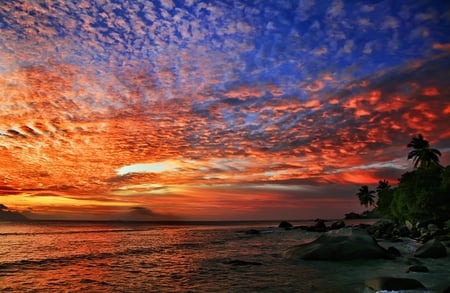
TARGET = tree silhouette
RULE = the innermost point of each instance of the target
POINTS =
(366, 196)
(422, 155)
(383, 185)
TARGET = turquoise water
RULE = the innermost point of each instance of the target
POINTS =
(146, 257)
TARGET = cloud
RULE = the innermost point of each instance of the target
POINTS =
(444, 47)
(234, 94)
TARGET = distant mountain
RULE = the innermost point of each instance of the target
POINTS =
(7, 215)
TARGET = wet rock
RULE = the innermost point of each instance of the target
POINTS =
(238, 262)
(433, 248)
(252, 232)
(414, 233)
(394, 252)
(382, 229)
(353, 216)
(342, 244)
(417, 268)
(401, 231)
(423, 224)
(337, 225)
(425, 238)
(433, 229)
(390, 283)
(285, 224)
(320, 226)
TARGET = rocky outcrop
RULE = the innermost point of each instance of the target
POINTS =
(433, 248)
(353, 216)
(285, 224)
(8, 215)
(337, 225)
(342, 244)
(390, 283)
(320, 226)
(423, 231)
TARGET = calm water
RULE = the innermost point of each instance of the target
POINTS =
(121, 257)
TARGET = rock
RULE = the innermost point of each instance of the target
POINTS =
(446, 290)
(390, 283)
(252, 232)
(343, 244)
(320, 226)
(285, 224)
(423, 223)
(382, 229)
(409, 225)
(353, 216)
(433, 248)
(363, 226)
(433, 229)
(238, 262)
(337, 225)
(402, 231)
(425, 238)
(417, 268)
(414, 233)
(394, 252)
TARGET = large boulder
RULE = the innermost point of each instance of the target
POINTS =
(390, 283)
(343, 244)
(433, 248)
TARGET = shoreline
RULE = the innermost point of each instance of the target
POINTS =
(432, 272)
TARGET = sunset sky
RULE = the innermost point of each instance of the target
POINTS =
(215, 110)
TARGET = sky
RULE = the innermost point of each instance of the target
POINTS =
(215, 110)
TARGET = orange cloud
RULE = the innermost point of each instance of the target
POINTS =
(430, 91)
(439, 46)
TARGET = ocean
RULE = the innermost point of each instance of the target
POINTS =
(179, 257)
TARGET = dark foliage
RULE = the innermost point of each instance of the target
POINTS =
(421, 194)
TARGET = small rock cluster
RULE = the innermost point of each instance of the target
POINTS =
(320, 226)
(422, 231)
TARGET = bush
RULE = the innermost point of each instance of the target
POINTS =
(423, 194)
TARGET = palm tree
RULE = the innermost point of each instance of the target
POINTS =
(383, 185)
(366, 196)
(422, 155)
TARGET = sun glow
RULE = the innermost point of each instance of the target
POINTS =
(158, 167)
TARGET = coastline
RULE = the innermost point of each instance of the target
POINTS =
(200, 258)
(433, 272)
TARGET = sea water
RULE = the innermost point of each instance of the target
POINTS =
(179, 257)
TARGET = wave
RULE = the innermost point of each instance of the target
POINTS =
(69, 259)
(70, 232)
